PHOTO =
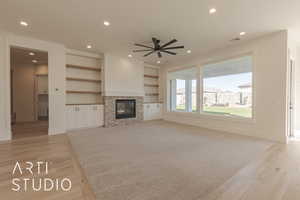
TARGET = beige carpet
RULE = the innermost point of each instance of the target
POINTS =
(161, 160)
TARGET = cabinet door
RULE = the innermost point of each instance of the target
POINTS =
(85, 116)
(76, 117)
(70, 117)
(93, 115)
(146, 111)
(158, 111)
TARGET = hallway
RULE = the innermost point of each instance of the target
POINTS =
(29, 129)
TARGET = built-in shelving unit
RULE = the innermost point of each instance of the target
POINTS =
(151, 76)
(151, 84)
(82, 92)
(84, 67)
(152, 94)
(83, 80)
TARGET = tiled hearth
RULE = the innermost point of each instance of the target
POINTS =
(110, 111)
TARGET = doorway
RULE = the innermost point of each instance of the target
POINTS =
(291, 115)
(29, 92)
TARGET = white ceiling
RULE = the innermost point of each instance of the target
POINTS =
(76, 23)
(22, 56)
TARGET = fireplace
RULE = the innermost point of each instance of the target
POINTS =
(125, 108)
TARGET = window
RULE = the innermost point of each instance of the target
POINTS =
(180, 94)
(227, 87)
(184, 90)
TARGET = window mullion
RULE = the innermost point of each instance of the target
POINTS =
(188, 95)
(201, 90)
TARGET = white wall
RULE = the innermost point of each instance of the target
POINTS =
(123, 76)
(56, 63)
(23, 92)
(270, 90)
(5, 131)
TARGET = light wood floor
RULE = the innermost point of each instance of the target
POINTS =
(275, 175)
(29, 129)
(62, 164)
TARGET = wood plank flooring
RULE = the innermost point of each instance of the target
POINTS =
(274, 176)
(29, 129)
(62, 164)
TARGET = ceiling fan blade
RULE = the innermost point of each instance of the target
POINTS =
(142, 50)
(141, 45)
(177, 47)
(149, 53)
(169, 43)
(168, 52)
(159, 54)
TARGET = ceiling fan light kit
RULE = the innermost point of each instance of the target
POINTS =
(158, 48)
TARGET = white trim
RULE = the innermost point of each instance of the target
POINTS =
(188, 96)
(213, 117)
(123, 93)
(6, 136)
(83, 54)
(151, 66)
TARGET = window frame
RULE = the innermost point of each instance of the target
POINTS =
(172, 87)
(200, 93)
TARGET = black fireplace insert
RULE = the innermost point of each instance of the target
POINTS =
(125, 108)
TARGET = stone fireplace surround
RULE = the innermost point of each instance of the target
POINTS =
(110, 111)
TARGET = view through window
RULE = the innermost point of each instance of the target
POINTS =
(184, 90)
(227, 88)
(180, 94)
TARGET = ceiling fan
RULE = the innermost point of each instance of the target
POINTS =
(157, 47)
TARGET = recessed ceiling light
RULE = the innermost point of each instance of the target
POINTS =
(106, 23)
(23, 23)
(158, 62)
(31, 54)
(88, 46)
(212, 11)
(34, 61)
(189, 51)
(242, 33)
(130, 56)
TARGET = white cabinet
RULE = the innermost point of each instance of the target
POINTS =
(96, 116)
(84, 116)
(152, 111)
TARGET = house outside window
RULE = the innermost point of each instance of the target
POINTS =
(224, 88)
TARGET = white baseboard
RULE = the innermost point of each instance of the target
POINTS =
(6, 136)
(55, 132)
